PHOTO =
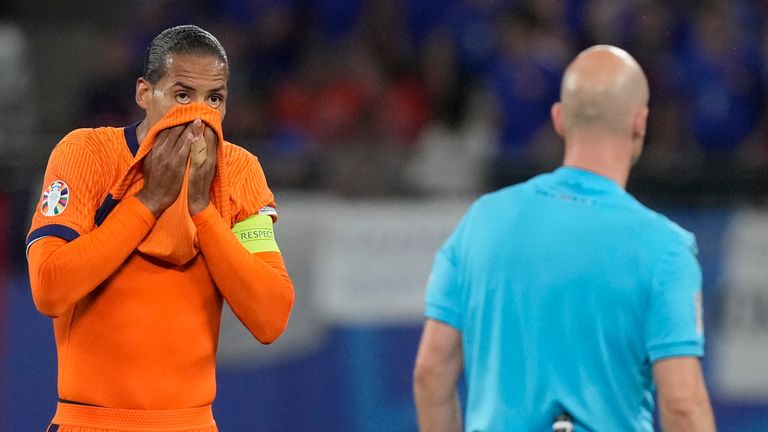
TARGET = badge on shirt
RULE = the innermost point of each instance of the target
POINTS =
(55, 198)
(699, 313)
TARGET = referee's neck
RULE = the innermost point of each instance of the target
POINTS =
(609, 159)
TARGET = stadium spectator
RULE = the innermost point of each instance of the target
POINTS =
(538, 294)
(523, 79)
(140, 235)
(473, 24)
(105, 93)
(604, 21)
(653, 34)
(723, 81)
(17, 109)
(452, 152)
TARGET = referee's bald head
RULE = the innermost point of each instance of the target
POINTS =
(602, 90)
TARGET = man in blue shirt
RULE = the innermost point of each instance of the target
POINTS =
(564, 294)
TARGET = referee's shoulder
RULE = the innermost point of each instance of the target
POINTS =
(663, 227)
(495, 203)
(507, 193)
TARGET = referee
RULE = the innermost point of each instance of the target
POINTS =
(564, 295)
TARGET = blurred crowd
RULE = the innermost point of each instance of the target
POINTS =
(427, 97)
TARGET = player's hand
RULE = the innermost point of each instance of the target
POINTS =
(203, 167)
(164, 168)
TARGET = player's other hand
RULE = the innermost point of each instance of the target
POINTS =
(164, 168)
(203, 167)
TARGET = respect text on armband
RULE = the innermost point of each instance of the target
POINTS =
(256, 234)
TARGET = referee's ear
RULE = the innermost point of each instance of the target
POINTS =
(143, 93)
(639, 123)
(557, 118)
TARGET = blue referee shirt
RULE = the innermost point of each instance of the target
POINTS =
(566, 290)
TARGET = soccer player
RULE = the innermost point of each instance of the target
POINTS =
(564, 295)
(141, 233)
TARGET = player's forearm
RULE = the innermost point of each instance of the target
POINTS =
(435, 373)
(61, 273)
(437, 414)
(256, 286)
(687, 416)
(682, 394)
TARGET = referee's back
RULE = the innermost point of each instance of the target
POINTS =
(562, 296)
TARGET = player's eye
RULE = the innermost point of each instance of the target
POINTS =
(182, 97)
(215, 100)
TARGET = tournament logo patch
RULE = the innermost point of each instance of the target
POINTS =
(55, 198)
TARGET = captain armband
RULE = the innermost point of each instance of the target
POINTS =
(256, 234)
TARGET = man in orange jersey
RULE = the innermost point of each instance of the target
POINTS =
(140, 234)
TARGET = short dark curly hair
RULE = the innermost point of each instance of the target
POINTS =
(183, 39)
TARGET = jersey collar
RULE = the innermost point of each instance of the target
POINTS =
(131, 139)
(587, 179)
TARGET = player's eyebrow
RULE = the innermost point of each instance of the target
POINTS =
(190, 87)
(184, 85)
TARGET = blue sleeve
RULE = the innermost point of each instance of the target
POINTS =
(673, 319)
(445, 294)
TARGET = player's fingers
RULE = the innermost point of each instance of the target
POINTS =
(161, 137)
(210, 136)
(183, 137)
(150, 160)
(160, 141)
(182, 151)
(212, 152)
(173, 135)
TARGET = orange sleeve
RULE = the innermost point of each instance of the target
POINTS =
(256, 286)
(250, 193)
(62, 273)
(82, 181)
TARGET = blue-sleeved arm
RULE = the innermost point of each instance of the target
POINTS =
(445, 291)
(674, 316)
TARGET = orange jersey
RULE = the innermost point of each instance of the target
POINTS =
(132, 331)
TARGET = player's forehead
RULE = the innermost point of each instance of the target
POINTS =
(195, 70)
